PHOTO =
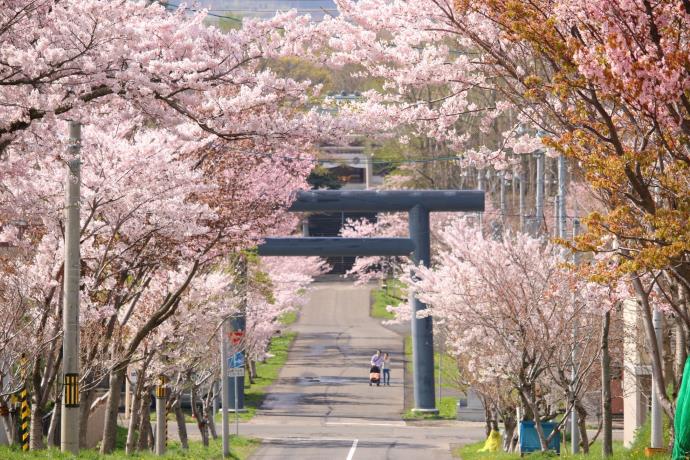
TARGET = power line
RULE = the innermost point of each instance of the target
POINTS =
(208, 12)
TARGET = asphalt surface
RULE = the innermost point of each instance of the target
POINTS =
(322, 406)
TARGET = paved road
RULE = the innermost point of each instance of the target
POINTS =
(322, 406)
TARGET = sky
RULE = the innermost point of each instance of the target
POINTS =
(267, 8)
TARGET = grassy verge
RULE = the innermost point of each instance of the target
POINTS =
(288, 318)
(267, 372)
(382, 297)
(469, 452)
(447, 406)
(240, 448)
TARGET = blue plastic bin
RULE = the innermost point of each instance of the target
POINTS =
(529, 439)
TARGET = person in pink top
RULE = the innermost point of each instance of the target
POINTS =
(377, 359)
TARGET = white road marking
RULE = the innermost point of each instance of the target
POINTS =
(395, 424)
(352, 450)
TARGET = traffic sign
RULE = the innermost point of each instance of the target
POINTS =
(236, 372)
(236, 337)
(237, 360)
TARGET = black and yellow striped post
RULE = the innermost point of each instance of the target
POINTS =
(71, 395)
(161, 415)
(24, 418)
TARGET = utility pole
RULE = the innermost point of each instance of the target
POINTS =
(161, 416)
(575, 433)
(521, 180)
(225, 387)
(562, 191)
(502, 196)
(128, 395)
(657, 428)
(539, 208)
(575, 436)
(556, 221)
(481, 186)
(69, 419)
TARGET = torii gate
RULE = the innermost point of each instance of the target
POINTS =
(418, 204)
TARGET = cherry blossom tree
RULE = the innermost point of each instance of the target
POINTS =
(507, 308)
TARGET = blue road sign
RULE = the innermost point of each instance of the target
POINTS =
(237, 360)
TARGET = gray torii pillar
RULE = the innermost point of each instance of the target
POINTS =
(422, 328)
(418, 204)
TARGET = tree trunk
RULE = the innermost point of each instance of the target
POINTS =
(654, 352)
(145, 421)
(117, 378)
(54, 422)
(201, 423)
(6, 419)
(181, 425)
(85, 401)
(582, 427)
(681, 338)
(487, 418)
(252, 371)
(36, 428)
(509, 425)
(607, 441)
(208, 412)
(532, 406)
(134, 417)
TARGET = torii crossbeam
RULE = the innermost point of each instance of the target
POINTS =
(418, 204)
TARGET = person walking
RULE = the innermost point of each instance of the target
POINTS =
(375, 370)
(386, 369)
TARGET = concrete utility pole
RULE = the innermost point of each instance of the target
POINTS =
(574, 429)
(481, 185)
(502, 196)
(128, 395)
(521, 180)
(161, 416)
(657, 428)
(69, 419)
(562, 191)
(556, 222)
(225, 388)
(539, 202)
(656, 435)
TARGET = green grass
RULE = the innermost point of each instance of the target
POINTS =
(447, 406)
(240, 449)
(267, 372)
(382, 297)
(288, 318)
(469, 452)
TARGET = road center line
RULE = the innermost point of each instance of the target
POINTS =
(352, 450)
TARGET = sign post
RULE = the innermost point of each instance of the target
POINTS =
(225, 387)
(236, 370)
